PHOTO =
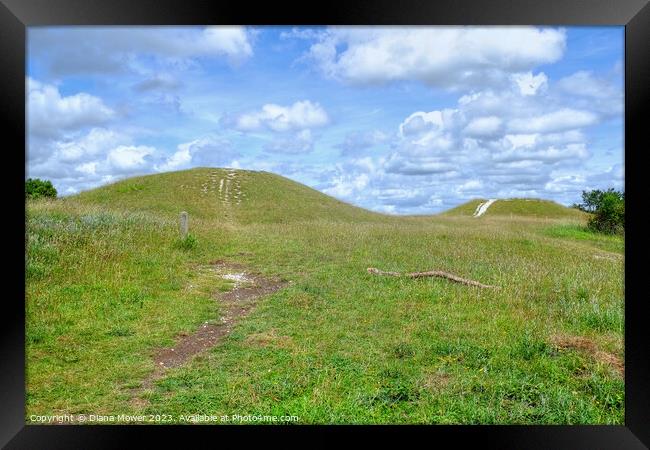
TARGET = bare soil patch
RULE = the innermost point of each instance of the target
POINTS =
(234, 306)
(588, 346)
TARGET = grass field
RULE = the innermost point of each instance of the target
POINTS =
(108, 283)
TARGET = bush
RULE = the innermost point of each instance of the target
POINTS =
(608, 209)
(37, 188)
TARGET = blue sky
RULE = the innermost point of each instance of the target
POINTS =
(403, 120)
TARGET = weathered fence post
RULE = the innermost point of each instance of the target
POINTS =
(184, 224)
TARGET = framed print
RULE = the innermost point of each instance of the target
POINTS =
(343, 218)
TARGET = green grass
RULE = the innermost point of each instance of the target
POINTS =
(108, 282)
(580, 233)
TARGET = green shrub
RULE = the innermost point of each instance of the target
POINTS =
(37, 188)
(608, 208)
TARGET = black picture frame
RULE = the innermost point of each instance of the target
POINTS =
(16, 15)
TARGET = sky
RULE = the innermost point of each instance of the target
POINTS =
(400, 120)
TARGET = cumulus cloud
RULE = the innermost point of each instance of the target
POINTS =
(300, 115)
(586, 84)
(49, 113)
(87, 159)
(102, 155)
(561, 120)
(493, 143)
(96, 142)
(102, 50)
(450, 57)
(550, 154)
(232, 41)
(467, 141)
(599, 94)
(529, 84)
(397, 163)
(567, 186)
(300, 33)
(128, 159)
(89, 168)
(483, 126)
(205, 151)
(344, 185)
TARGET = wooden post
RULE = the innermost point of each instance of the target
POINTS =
(184, 224)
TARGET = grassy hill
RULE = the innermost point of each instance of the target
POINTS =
(465, 209)
(109, 283)
(243, 196)
(519, 207)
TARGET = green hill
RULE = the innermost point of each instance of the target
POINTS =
(242, 196)
(521, 207)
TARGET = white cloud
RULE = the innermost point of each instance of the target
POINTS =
(402, 197)
(560, 120)
(493, 143)
(207, 150)
(418, 166)
(179, 160)
(516, 141)
(78, 156)
(529, 84)
(450, 57)
(345, 186)
(473, 187)
(562, 183)
(49, 113)
(586, 84)
(551, 154)
(421, 122)
(522, 140)
(587, 91)
(300, 115)
(232, 41)
(96, 142)
(127, 159)
(483, 126)
(101, 50)
(300, 33)
(88, 168)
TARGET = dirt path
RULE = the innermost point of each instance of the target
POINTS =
(234, 306)
(482, 207)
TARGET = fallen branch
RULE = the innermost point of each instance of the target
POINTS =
(431, 273)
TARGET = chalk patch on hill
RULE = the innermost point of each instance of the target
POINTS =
(482, 207)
